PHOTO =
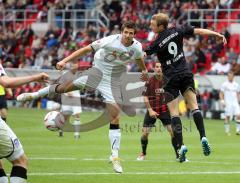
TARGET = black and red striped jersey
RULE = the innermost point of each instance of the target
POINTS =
(155, 93)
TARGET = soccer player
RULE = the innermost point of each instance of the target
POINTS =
(112, 53)
(168, 46)
(156, 109)
(229, 97)
(10, 146)
(71, 103)
(71, 106)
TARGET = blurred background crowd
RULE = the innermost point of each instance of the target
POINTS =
(21, 47)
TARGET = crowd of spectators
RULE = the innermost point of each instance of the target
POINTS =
(21, 48)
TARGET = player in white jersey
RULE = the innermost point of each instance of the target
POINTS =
(71, 106)
(71, 103)
(112, 54)
(10, 146)
(229, 97)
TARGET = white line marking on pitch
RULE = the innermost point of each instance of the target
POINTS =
(43, 158)
(190, 161)
(131, 173)
(132, 160)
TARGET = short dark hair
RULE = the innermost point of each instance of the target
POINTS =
(161, 19)
(130, 25)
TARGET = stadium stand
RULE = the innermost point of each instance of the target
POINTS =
(22, 47)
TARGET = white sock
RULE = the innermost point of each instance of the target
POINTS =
(227, 127)
(17, 180)
(115, 139)
(4, 179)
(237, 126)
(76, 124)
(42, 92)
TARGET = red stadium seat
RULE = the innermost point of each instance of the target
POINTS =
(234, 41)
(208, 63)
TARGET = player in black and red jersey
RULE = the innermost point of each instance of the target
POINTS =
(156, 109)
(168, 46)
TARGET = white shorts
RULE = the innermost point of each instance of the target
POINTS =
(72, 109)
(232, 109)
(10, 146)
(109, 87)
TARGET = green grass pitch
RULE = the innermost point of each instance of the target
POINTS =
(65, 160)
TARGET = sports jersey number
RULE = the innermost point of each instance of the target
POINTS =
(172, 48)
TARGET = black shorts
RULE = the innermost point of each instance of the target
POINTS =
(150, 122)
(3, 102)
(180, 82)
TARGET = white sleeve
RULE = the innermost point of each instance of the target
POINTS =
(2, 71)
(101, 43)
(139, 52)
(214, 67)
(238, 88)
(222, 89)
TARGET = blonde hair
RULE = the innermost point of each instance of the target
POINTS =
(161, 19)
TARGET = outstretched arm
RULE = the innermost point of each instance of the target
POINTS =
(79, 53)
(142, 66)
(206, 32)
(8, 82)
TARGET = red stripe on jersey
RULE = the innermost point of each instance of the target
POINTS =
(155, 96)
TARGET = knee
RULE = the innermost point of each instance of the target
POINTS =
(173, 109)
(1, 164)
(21, 161)
(115, 119)
(238, 118)
(4, 114)
(60, 88)
(145, 135)
(192, 105)
(169, 129)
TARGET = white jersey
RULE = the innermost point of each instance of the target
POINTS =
(75, 93)
(2, 71)
(230, 91)
(10, 145)
(112, 56)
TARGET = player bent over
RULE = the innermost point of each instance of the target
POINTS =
(10, 146)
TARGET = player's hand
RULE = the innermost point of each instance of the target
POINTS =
(153, 114)
(9, 91)
(61, 65)
(144, 76)
(42, 77)
(144, 54)
(222, 103)
(222, 39)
